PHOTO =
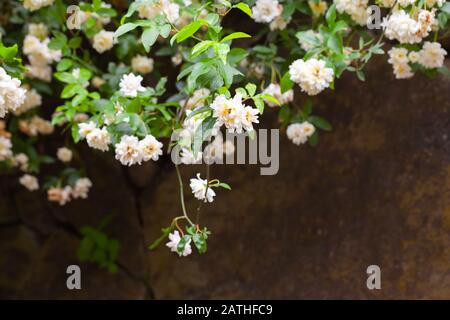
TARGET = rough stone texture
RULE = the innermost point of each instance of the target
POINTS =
(374, 191)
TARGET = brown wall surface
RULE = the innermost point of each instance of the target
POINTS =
(374, 191)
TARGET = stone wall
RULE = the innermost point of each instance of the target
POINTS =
(374, 191)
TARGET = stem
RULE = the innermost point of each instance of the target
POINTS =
(183, 206)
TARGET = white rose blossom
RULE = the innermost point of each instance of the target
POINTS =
(12, 96)
(200, 190)
(5, 148)
(99, 139)
(30, 182)
(300, 132)
(130, 85)
(64, 154)
(274, 90)
(142, 64)
(312, 75)
(103, 41)
(175, 239)
(81, 188)
(266, 11)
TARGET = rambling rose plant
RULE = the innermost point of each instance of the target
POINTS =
(106, 64)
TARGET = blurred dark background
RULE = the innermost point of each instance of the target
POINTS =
(374, 191)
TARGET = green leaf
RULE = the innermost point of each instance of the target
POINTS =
(149, 37)
(224, 185)
(199, 242)
(58, 42)
(244, 8)
(157, 242)
(64, 64)
(221, 50)
(188, 31)
(251, 89)
(127, 27)
(164, 30)
(320, 123)
(201, 47)
(330, 16)
(236, 35)
(286, 83)
(8, 53)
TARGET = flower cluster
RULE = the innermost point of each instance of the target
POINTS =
(429, 57)
(97, 138)
(169, 9)
(130, 150)
(300, 132)
(40, 56)
(11, 94)
(275, 91)
(34, 5)
(63, 195)
(312, 75)
(234, 114)
(357, 9)
(405, 29)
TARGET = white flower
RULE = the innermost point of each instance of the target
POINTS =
(249, 116)
(99, 139)
(11, 94)
(402, 71)
(187, 156)
(403, 28)
(177, 59)
(150, 148)
(39, 54)
(38, 30)
(81, 188)
(64, 154)
(34, 5)
(43, 73)
(5, 148)
(357, 9)
(432, 55)
(30, 182)
(21, 159)
(266, 10)
(32, 100)
(300, 132)
(175, 239)
(130, 85)
(198, 98)
(229, 112)
(199, 187)
(306, 45)
(97, 82)
(142, 64)
(414, 56)
(318, 8)
(312, 76)
(432, 3)
(274, 90)
(85, 128)
(170, 10)
(60, 195)
(405, 3)
(103, 41)
(128, 151)
(398, 55)
(279, 23)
